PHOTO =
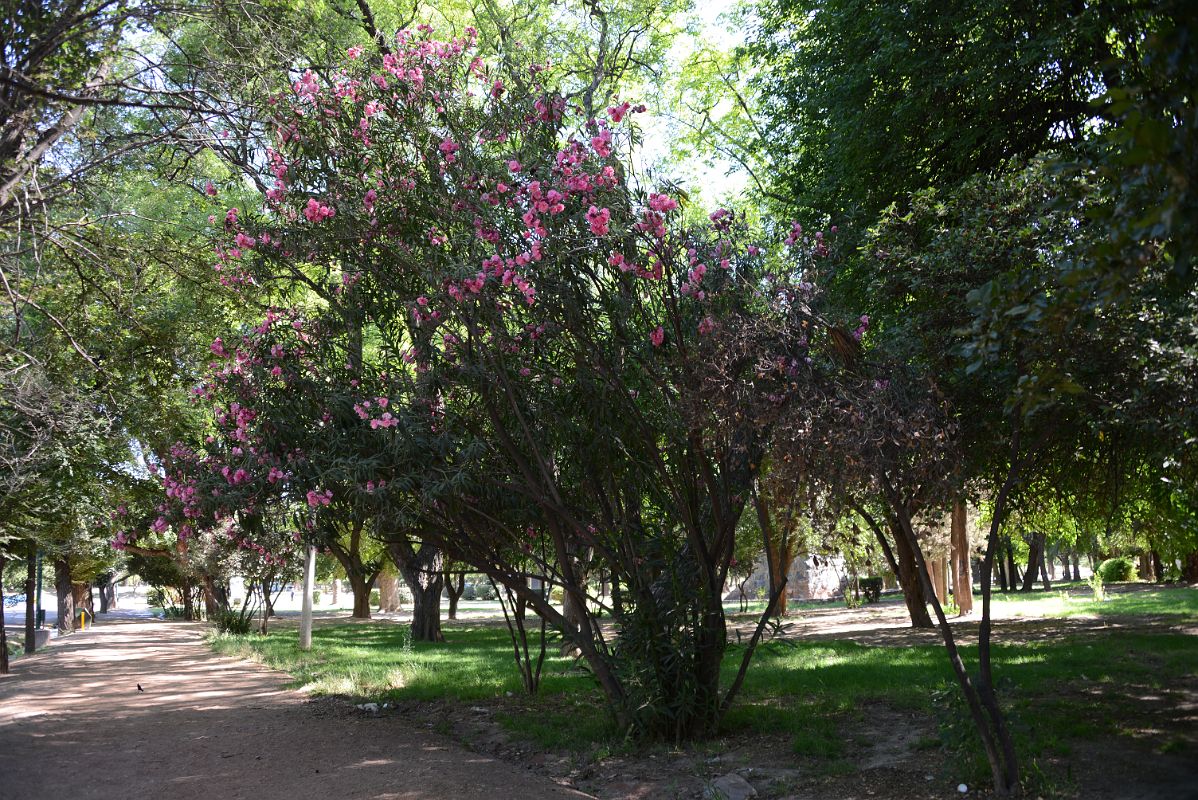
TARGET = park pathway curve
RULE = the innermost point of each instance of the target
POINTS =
(74, 726)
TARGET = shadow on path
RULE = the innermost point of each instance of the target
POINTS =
(74, 725)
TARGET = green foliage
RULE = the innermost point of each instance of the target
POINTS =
(1097, 587)
(871, 588)
(1117, 570)
(235, 621)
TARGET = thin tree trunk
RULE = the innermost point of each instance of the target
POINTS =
(305, 632)
(1013, 576)
(1000, 570)
(1077, 567)
(3, 633)
(1158, 568)
(30, 598)
(959, 555)
(1044, 568)
(455, 587)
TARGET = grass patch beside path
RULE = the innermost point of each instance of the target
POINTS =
(831, 699)
(379, 661)
(1077, 600)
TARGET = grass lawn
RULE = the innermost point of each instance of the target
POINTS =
(820, 694)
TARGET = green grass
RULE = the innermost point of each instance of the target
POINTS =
(818, 693)
(1076, 600)
(378, 661)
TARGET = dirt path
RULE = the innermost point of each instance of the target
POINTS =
(73, 725)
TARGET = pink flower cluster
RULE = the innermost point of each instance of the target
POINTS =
(316, 211)
(317, 498)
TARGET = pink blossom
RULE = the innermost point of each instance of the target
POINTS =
(318, 212)
(513, 165)
(662, 203)
(658, 336)
(210, 189)
(706, 326)
(599, 219)
(353, 52)
(617, 113)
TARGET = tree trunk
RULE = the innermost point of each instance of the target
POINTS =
(361, 585)
(422, 572)
(334, 589)
(1077, 567)
(1146, 572)
(3, 633)
(1189, 568)
(1158, 569)
(1044, 569)
(575, 612)
(1034, 554)
(66, 595)
(30, 598)
(1013, 578)
(189, 609)
(908, 578)
(455, 587)
(1001, 572)
(102, 584)
(959, 557)
(388, 591)
(305, 632)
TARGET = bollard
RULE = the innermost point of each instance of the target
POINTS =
(83, 619)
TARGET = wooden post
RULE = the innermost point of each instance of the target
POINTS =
(305, 642)
(959, 556)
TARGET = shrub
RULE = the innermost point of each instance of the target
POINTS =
(376, 597)
(484, 591)
(1097, 587)
(872, 589)
(229, 621)
(470, 592)
(315, 596)
(1114, 570)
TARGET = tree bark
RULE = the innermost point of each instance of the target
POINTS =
(1146, 565)
(422, 572)
(189, 609)
(388, 591)
(1013, 577)
(30, 598)
(1077, 567)
(361, 585)
(1001, 571)
(1189, 568)
(908, 578)
(1158, 569)
(66, 595)
(959, 557)
(3, 633)
(1034, 555)
(305, 633)
(455, 587)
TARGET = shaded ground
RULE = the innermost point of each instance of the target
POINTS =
(74, 725)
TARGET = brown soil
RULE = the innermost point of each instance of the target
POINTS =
(73, 726)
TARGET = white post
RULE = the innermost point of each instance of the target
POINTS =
(305, 641)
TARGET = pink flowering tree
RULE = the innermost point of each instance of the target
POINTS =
(572, 370)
